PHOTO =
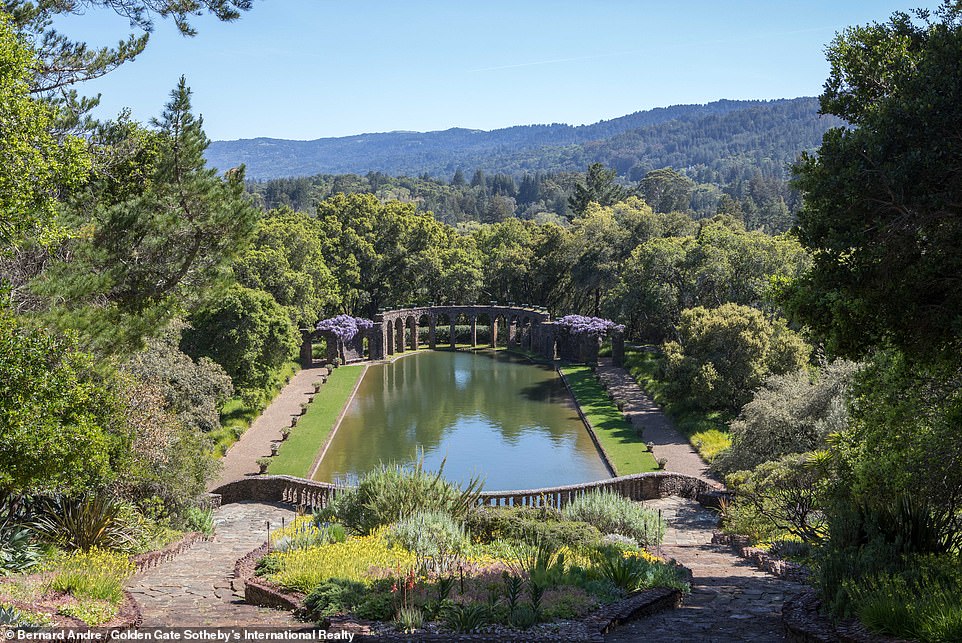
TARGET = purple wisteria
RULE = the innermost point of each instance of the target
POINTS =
(345, 327)
(582, 325)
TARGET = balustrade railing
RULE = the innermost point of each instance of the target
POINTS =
(310, 494)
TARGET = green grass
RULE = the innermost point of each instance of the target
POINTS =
(297, 453)
(236, 415)
(625, 448)
(707, 432)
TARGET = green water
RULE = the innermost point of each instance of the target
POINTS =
(490, 414)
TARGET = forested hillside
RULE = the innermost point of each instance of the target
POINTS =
(720, 135)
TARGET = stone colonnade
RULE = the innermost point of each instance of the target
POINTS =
(528, 328)
(396, 331)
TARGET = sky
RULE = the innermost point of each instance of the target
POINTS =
(306, 69)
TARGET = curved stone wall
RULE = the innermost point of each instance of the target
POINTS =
(311, 494)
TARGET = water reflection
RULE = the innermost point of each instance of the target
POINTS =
(492, 414)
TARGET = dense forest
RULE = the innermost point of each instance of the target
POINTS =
(806, 339)
(769, 134)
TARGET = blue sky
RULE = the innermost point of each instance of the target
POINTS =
(306, 69)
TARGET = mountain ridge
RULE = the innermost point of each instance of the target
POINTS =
(441, 152)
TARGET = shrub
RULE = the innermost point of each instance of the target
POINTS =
(466, 618)
(790, 413)
(194, 391)
(613, 513)
(633, 573)
(18, 552)
(392, 493)
(436, 539)
(924, 608)
(89, 521)
(305, 569)
(94, 574)
(201, 520)
(530, 524)
(782, 496)
(723, 354)
(334, 596)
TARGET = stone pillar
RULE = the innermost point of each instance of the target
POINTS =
(618, 346)
(494, 332)
(512, 332)
(389, 338)
(454, 320)
(307, 348)
(432, 331)
(474, 331)
(377, 346)
(413, 324)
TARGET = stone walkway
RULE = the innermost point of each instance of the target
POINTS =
(241, 458)
(655, 426)
(731, 599)
(195, 589)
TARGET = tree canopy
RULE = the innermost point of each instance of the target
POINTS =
(883, 198)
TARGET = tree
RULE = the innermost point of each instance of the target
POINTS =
(170, 237)
(599, 187)
(724, 354)
(882, 197)
(35, 164)
(62, 426)
(286, 260)
(666, 190)
(64, 62)
(247, 333)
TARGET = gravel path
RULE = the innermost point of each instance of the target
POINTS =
(656, 427)
(196, 588)
(731, 599)
(241, 458)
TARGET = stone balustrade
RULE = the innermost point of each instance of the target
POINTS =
(311, 494)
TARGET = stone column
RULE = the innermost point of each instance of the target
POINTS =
(494, 332)
(389, 339)
(376, 346)
(414, 333)
(512, 332)
(307, 348)
(618, 346)
(474, 331)
(432, 331)
(399, 336)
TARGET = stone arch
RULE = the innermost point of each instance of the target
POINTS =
(442, 326)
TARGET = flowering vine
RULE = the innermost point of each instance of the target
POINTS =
(345, 327)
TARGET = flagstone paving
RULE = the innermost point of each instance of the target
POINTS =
(731, 600)
(196, 588)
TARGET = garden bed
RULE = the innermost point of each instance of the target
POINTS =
(407, 554)
(592, 627)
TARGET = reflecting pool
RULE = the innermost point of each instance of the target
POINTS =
(491, 414)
